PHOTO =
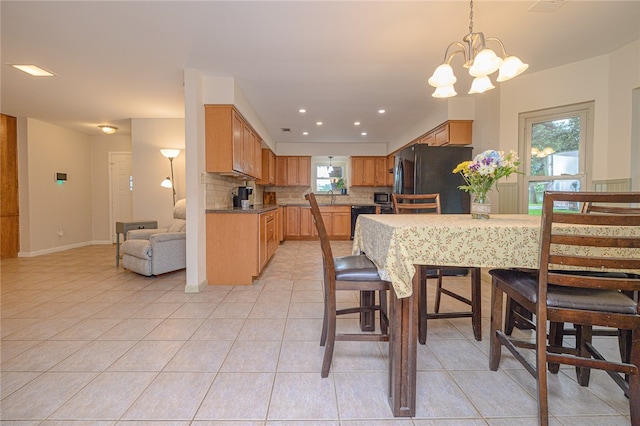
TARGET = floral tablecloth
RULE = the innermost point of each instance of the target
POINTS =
(395, 243)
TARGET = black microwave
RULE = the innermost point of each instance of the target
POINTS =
(382, 197)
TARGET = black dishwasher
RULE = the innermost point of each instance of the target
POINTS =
(358, 210)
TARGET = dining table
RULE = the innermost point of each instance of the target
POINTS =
(397, 244)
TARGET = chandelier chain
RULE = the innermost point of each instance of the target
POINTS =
(470, 16)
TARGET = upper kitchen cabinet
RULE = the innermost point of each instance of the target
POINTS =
(232, 146)
(268, 168)
(453, 132)
(293, 171)
(369, 171)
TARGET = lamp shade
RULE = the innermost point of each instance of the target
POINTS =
(170, 153)
(485, 63)
(511, 67)
(443, 76)
(166, 183)
(481, 85)
(444, 92)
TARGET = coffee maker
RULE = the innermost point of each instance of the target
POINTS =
(243, 194)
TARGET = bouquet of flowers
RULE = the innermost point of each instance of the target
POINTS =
(485, 170)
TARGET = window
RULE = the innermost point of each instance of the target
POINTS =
(326, 174)
(554, 148)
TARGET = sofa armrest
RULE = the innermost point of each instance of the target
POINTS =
(167, 236)
(143, 234)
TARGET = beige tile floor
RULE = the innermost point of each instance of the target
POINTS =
(86, 343)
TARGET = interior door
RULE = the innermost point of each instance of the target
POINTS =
(121, 189)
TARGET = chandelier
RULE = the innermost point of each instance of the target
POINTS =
(479, 59)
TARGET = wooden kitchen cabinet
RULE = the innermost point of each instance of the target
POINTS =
(452, 132)
(268, 237)
(299, 222)
(231, 145)
(293, 171)
(239, 245)
(369, 171)
(268, 171)
(391, 164)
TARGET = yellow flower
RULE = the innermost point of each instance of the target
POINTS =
(462, 167)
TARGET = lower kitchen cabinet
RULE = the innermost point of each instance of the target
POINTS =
(239, 245)
(299, 222)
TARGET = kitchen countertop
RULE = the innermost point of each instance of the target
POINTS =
(255, 209)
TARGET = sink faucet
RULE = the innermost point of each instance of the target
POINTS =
(333, 196)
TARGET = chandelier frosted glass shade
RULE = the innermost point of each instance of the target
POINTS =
(444, 92)
(485, 63)
(511, 67)
(443, 76)
(481, 85)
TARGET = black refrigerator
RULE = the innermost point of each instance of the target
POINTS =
(423, 169)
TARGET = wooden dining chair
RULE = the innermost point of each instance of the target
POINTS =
(350, 273)
(430, 204)
(571, 296)
(516, 313)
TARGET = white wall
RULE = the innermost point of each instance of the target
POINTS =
(195, 157)
(46, 206)
(150, 167)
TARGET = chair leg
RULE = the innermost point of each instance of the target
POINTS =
(476, 303)
(556, 336)
(436, 306)
(422, 305)
(325, 319)
(384, 312)
(583, 336)
(634, 379)
(496, 325)
(509, 317)
(330, 334)
(541, 371)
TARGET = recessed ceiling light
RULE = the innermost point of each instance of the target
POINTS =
(34, 70)
(302, 110)
(305, 133)
(381, 111)
(318, 123)
(363, 134)
(356, 123)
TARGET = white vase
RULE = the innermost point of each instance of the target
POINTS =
(480, 206)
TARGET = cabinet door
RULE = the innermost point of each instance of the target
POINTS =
(341, 224)
(391, 164)
(292, 170)
(238, 144)
(304, 171)
(307, 226)
(369, 178)
(380, 171)
(262, 244)
(281, 171)
(248, 144)
(357, 171)
(292, 221)
(441, 136)
(257, 157)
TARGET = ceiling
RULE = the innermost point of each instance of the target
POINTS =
(341, 60)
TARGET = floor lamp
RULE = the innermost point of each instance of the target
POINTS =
(169, 182)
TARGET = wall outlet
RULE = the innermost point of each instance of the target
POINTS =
(60, 232)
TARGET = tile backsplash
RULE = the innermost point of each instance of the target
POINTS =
(219, 191)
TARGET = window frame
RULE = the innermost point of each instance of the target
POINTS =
(585, 110)
(335, 162)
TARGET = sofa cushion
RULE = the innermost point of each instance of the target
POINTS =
(137, 248)
(178, 225)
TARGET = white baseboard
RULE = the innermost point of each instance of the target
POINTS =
(197, 288)
(62, 248)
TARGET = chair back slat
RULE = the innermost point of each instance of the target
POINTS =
(416, 203)
(590, 241)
